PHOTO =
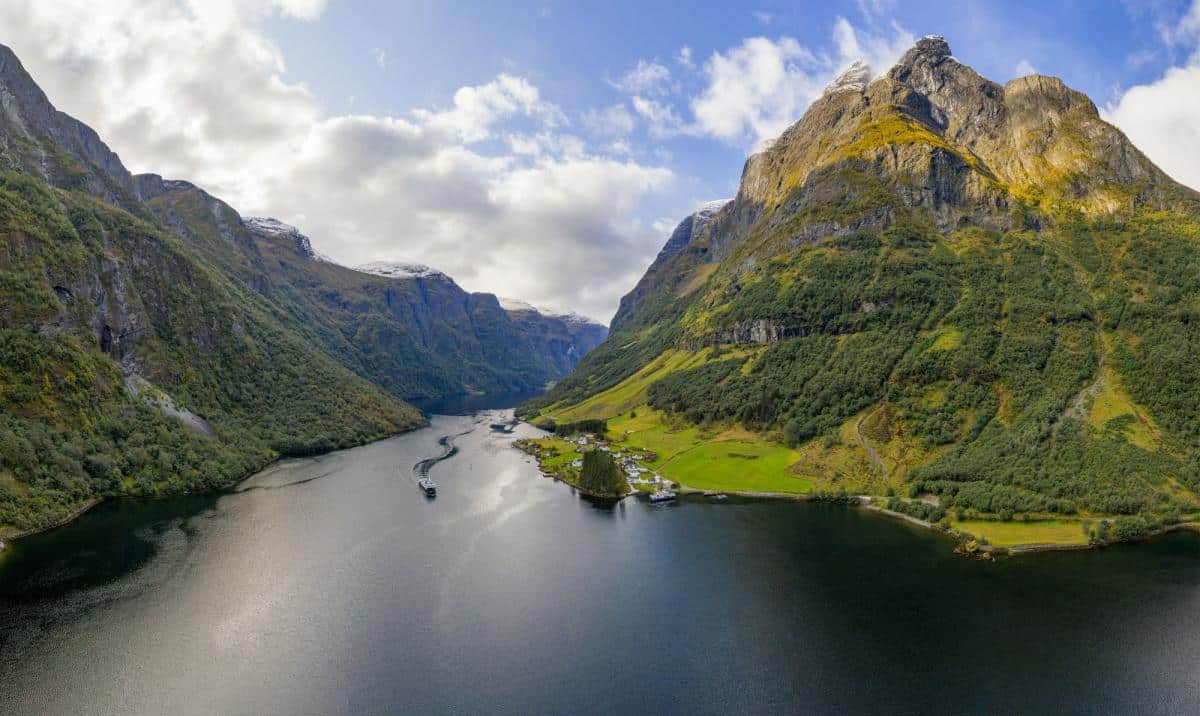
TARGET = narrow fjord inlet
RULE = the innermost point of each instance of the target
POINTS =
(328, 585)
(355, 357)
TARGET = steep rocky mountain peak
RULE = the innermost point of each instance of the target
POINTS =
(955, 142)
(855, 77)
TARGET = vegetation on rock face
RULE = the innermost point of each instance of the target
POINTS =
(89, 289)
(919, 311)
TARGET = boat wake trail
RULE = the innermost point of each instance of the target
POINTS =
(421, 468)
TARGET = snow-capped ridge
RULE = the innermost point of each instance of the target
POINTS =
(401, 269)
(705, 214)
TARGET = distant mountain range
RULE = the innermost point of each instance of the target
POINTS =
(153, 340)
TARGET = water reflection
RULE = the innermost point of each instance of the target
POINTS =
(349, 593)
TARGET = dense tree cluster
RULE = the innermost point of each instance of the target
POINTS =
(600, 474)
(595, 427)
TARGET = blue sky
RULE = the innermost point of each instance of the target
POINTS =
(574, 51)
(540, 150)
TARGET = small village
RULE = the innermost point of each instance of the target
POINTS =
(633, 462)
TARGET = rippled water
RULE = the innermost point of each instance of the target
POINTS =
(332, 585)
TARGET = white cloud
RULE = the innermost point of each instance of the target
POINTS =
(476, 109)
(651, 77)
(194, 90)
(757, 89)
(1024, 67)
(662, 120)
(764, 18)
(380, 57)
(1160, 118)
(685, 57)
(879, 51)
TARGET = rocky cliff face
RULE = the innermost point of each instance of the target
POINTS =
(563, 339)
(663, 275)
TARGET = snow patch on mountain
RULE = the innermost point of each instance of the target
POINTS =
(712, 207)
(516, 305)
(274, 228)
(705, 214)
(401, 269)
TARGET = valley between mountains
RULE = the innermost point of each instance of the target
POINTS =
(970, 304)
(154, 342)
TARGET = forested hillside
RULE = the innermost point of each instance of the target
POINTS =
(153, 342)
(934, 285)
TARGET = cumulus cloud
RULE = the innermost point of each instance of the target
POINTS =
(1160, 116)
(489, 188)
(476, 109)
(760, 87)
(755, 90)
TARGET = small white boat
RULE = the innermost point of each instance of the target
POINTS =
(429, 487)
(662, 496)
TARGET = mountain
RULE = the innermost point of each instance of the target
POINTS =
(932, 285)
(153, 342)
(406, 327)
(562, 339)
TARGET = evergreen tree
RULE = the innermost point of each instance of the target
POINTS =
(600, 474)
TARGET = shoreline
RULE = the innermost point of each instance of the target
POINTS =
(97, 501)
(866, 502)
(582, 490)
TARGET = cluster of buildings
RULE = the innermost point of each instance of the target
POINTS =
(630, 462)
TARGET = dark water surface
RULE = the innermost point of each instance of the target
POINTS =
(331, 585)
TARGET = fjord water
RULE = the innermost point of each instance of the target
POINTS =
(331, 585)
